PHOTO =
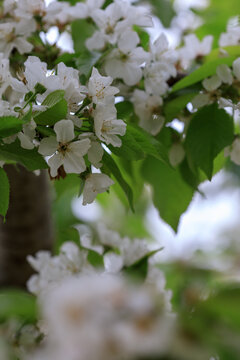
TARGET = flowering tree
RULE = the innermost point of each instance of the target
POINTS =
(101, 117)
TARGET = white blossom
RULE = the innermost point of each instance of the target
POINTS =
(63, 150)
(125, 62)
(234, 151)
(26, 9)
(103, 317)
(194, 48)
(176, 154)
(236, 68)
(95, 184)
(107, 21)
(224, 73)
(156, 75)
(58, 13)
(5, 76)
(107, 126)
(147, 107)
(232, 36)
(54, 269)
(99, 89)
(14, 35)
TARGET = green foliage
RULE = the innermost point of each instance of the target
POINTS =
(163, 9)
(4, 192)
(143, 36)
(137, 144)
(125, 110)
(57, 109)
(221, 52)
(171, 195)
(216, 16)
(17, 304)
(9, 125)
(210, 130)
(65, 190)
(31, 159)
(139, 270)
(86, 60)
(204, 71)
(111, 167)
(95, 258)
(173, 107)
(81, 31)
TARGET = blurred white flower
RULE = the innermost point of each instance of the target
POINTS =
(95, 184)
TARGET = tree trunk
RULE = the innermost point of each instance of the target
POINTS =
(28, 227)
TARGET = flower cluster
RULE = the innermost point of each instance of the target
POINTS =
(116, 253)
(87, 124)
(89, 312)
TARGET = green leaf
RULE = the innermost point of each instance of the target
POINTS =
(9, 125)
(215, 17)
(173, 107)
(171, 194)
(137, 144)
(28, 116)
(113, 169)
(57, 109)
(4, 192)
(139, 270)
(130, 148)
(81, 31)
(124, 110)
(219, 52)
(204, 71)
(163, 10)
(210, 131)
(86, 60)
(95, 258)
(31, 159)
(143, 36)
(17, 303)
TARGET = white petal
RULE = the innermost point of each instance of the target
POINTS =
(95, 153)
(80, 147)
(224, 73)
(200, 100)
(95, 184)
(96, 42)
(132, 74)
(64, 130)
(176, 154)
(48, 146)
(55, 162)
(236, 68)
(74, 163)
(25, 141)
(212, 83)
(128, 41)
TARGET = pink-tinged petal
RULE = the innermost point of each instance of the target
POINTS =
(54, 163)
(64, 130)
(48, 146)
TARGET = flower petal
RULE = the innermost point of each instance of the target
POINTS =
(64, 130)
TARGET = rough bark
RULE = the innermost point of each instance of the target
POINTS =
(28, 226)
